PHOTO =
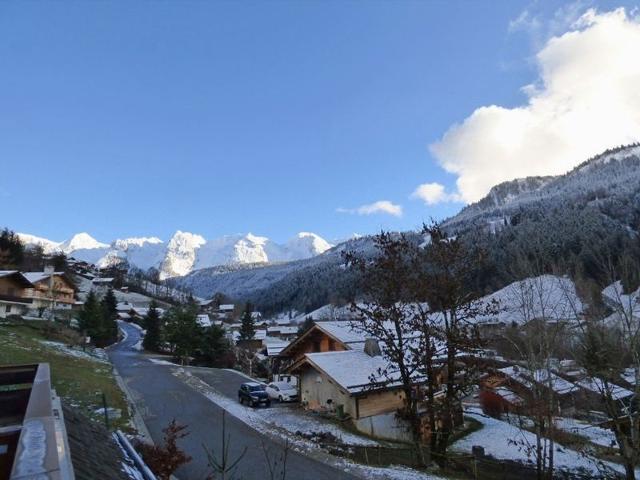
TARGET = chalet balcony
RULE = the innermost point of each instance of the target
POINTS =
(14, 299)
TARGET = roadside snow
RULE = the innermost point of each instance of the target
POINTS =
(498, 437)
(395, 472)
(264, 420)
(159, 361)
(275, 421)
(93, 354)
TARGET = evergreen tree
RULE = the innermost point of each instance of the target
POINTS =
(306, 325)
(91, 315)
(183, 332)
(11, 249)
(215, 347)
(109, 327)
(152, 325)
(248, 327)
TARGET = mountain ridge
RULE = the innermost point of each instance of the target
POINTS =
(184, 252)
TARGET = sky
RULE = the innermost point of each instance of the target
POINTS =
(130, 119)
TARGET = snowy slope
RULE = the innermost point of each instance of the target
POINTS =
(550, 297)
(185, 252)
(611, 177)
(49, 246)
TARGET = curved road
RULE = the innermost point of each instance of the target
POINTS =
(161, 397)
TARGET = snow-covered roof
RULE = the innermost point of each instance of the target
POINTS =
(509, 395)
(140, 311)
(203, 320)
(16, 273)
(287, 330)
(629, 376)
(102, 280)
(274, 349)
(124, 306)
(226, 307)
(35, 277)
(542, 377)
(282, 321)
(597, 385)
(352, 370)
(341, 330)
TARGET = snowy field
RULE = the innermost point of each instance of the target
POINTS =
(504, 441)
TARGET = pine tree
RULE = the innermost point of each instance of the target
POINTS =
(152, 325)
(91, 315)
(215, 347)
(248, 328)
(11, 249)
(183, 332)
(109, 326)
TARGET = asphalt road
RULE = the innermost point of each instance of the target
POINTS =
(160, 397)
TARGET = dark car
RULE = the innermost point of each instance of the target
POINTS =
(254, 394)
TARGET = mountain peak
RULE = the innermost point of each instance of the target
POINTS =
(81, 241)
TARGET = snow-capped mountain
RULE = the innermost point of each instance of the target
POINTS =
(81, 241)
(185, 251)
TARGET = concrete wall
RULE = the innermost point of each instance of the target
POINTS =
(385, 426)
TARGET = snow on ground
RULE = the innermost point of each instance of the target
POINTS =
(546, 296)
(265, 419)
(394, 472)
(287, 423)
(294, 422)
(94, 354)
(597, 435)
(159, 361)
(498, 437)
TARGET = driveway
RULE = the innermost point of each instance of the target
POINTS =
(161, 397)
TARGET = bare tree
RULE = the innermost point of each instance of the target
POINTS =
(222, 465)
(383, 315)
(610, 348)
(418, 305)
(444, 315)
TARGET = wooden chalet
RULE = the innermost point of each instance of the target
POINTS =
(54, 290)
(338, 371)
(14, 293)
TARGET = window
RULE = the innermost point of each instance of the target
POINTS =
(8, 308)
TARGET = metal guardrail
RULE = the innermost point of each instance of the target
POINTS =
(137, 460)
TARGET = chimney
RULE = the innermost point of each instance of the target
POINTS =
(48, 269)
(371, 347)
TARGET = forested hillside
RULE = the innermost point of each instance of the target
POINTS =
(563, 224)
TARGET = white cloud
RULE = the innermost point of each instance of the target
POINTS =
(381, 206)
(433, 193)
(586, 100)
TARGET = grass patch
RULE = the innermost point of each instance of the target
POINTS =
(80, 382)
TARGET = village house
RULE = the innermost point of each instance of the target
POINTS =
(513, 388)
(284, 333)
(51, 290)
(14, 288)
(337, 370)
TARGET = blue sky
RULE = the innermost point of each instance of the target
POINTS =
(141, 118)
